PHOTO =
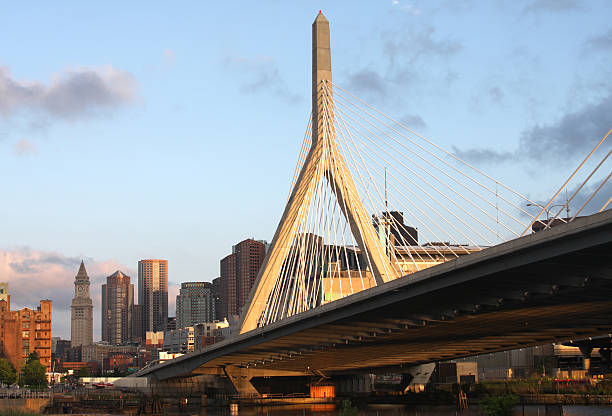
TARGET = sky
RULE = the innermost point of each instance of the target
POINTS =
(132, 130)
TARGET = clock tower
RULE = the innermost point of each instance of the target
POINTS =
(82, 310)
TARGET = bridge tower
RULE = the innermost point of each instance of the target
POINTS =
(323, 153)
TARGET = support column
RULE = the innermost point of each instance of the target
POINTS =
(241, 380)
(586, 355)
(606, 354)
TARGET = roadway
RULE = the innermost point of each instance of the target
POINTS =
(549, 286)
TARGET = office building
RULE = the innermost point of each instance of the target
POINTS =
(117, 302)
(171, 324)
(392, 231)
(153, 293)
(82, 310)
(216, 288)
(227, 298)
(180, 340)
(138, 332)
(25, 331)
(207, 333)
(249, 257)
(238, 273)
(195, 303)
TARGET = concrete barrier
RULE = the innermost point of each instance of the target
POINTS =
(25, 405)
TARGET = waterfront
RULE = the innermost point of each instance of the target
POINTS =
(402, 410)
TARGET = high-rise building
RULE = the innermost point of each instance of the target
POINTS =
(25, 331)
(238, 273)
(82, 310)
(138, 332)
(117, 302)
(227, 301)
(249, 257)
(195, 304)
(171, 325)
(153, 293)
(216, 289)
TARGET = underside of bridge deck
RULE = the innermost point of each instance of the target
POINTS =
(550, 286)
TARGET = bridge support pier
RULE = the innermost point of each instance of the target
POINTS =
(241, 381)
(606, 355)
(586, 355)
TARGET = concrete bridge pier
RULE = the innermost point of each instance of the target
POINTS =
(586, 351)
(355, 384)
(241, 380)
(606, 355)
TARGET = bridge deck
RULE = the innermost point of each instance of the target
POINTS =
(549, 286)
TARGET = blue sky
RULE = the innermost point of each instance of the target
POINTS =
(150, 130)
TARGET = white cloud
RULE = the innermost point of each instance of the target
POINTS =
(72, 94)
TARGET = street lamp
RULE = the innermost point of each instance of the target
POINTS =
(567, 210)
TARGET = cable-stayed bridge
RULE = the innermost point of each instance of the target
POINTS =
(392, 251)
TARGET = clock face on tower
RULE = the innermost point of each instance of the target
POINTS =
(81, 289)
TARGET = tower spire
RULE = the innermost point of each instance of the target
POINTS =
(82, 273)
(321, 72)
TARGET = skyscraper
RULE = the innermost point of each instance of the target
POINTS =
(82, 310)
(238, 273)
(195, 304)
(249, 257)
(228, 298)
(153, 293)
(138, 332)
(117, 301)
(216, 288)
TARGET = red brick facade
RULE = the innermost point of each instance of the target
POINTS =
(25, 331)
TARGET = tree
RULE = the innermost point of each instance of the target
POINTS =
(500, 405)
(83, 372)
(33, 373)
(8, 375)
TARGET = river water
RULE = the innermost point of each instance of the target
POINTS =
(401, 410)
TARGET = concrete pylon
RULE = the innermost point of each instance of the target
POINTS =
(323, 148)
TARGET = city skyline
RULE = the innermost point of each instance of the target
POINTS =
(456, 101)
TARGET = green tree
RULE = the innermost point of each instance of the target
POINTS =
(83, 372)
(8, 375)
(348, 409)
(500, 405)
(33, 373)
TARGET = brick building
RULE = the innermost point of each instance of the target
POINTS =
(119, 361)
(25, 331)
(238, 273)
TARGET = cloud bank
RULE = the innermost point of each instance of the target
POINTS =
(33, 275)
(575, 132)
(70, 95)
